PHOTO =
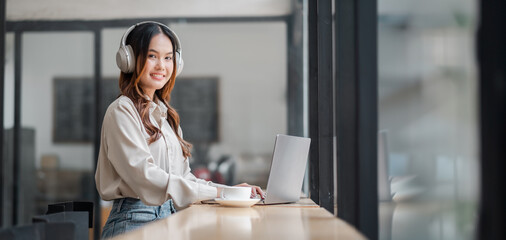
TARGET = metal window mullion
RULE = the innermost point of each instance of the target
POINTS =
(367, 116)
(356, 114)
(17, 126)
(325, 105)
(97, 34)
(314, 180)
(2, 83)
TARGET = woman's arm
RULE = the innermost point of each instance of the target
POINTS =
(255, 190)
(129, 154)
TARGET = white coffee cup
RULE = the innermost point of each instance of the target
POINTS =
(236, 193)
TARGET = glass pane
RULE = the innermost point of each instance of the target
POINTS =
(57, 112)
(428, 162)
(238, 71)
(249, 61)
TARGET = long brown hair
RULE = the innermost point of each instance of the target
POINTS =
(139, 39)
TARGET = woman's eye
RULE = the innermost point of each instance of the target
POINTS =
(151, 56)
(168, 58)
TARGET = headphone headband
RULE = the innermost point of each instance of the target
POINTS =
(177, 43)
(125, 57)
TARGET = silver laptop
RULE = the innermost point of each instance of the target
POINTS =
(288, 166)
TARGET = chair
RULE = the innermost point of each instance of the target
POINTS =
(57, 230)
(28, 232)
(80, 214)
(74, 206)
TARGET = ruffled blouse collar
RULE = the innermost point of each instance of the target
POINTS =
(158, 110)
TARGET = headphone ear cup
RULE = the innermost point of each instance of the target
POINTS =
(179, 63)
(125, 59)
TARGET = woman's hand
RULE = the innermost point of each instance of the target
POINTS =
(255, 190)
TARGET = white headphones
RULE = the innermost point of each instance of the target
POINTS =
(125, 58)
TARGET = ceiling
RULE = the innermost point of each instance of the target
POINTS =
(24, 10)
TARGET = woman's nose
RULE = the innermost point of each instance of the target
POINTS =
(160, 64)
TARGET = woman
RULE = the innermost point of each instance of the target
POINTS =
(143, 160)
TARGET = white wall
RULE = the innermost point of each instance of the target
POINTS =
(249, 60)
(44, 57)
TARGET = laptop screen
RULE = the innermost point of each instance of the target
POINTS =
(288, 166)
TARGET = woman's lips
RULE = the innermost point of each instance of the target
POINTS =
(157, 76)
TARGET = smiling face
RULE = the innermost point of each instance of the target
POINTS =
(159, 65)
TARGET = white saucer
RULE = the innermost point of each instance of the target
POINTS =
(236, 203)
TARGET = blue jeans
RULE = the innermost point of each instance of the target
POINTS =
(129, 213)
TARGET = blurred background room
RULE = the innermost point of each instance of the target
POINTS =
(245, 79)
(60, 75)
(428, 153)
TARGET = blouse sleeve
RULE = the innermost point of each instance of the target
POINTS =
(189, 176)
(187, 170)
(129, 153)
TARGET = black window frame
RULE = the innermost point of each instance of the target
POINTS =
(343, 110)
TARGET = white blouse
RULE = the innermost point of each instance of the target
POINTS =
(129, 167)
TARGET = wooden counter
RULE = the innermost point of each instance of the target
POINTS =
(303, 220)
